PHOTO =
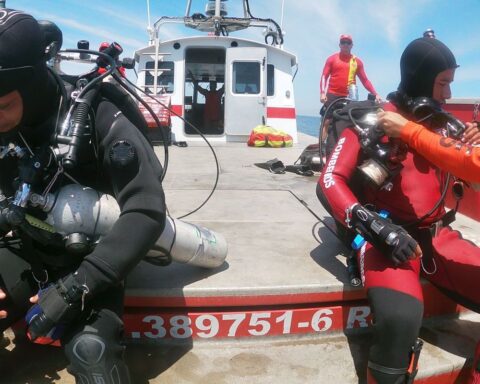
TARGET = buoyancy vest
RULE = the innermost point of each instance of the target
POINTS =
(266, 136)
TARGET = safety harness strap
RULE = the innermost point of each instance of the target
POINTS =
(387, 370)
(410, 372)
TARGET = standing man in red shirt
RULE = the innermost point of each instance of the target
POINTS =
(212, 114)
(339, 73)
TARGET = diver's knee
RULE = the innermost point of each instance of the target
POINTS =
(97, 356)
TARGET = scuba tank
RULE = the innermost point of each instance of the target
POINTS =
(188, 243)
(82, 216)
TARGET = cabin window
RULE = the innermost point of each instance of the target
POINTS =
(270, 80)
(164, 79)
(246, 77)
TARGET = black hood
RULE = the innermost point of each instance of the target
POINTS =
(421, 62)
(23, 67)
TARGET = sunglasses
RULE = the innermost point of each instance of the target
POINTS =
(345, 42)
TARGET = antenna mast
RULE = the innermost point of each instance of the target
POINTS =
(150, 30)
(281, 17)
(187, 11)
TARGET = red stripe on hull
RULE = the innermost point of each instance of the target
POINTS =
(233, 322)
(281, 113)
(160, 324)
(457, 376)
(272, 112)
(177, 109)
(239, 301)
(435, 302)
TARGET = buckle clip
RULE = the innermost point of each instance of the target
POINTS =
(435, 228)
(414, 356)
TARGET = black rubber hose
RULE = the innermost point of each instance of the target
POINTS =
(80, 121)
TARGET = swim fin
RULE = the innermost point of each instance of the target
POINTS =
(274, 166)
(300, 169)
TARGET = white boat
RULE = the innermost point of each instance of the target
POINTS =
(257, 76)
(281, 309)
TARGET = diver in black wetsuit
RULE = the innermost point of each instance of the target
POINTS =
(83, 293)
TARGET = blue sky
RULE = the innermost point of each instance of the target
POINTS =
(380, 28)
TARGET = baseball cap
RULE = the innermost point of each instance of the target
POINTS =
(22, 48)
(346, 37)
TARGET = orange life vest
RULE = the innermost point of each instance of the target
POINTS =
(266, 136)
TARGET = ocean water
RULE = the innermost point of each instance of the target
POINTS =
(308, 125)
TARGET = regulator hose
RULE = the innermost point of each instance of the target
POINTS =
(80, 121)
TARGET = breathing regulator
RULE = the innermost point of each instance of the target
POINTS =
(384, 156)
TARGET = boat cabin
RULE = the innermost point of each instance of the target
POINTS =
(218, 86)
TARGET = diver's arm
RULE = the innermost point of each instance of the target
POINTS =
(363, 77)
(392, 240)
(201, 90)
(324, 79)
(135, 175)
(448, 154)
(337, 173)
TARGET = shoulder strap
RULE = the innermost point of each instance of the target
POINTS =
(352, 70)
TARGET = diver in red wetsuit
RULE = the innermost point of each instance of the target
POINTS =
(391, 261)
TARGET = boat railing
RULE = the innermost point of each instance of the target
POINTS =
(216, 21)
(220, 26)
(156, 71)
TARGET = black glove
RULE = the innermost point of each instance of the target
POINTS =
(389, 238)
(59, 303)
(11, 216)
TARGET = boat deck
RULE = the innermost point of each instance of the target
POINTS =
(275, 242)
(280, 309)
(277, 245)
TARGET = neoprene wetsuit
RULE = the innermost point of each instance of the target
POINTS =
(117, 159)
(449, 262)
(395, 292)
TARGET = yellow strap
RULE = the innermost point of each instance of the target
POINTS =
(352, 71)
(264, 129)
(34, 222)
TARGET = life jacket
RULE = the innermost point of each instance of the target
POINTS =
(266, 136)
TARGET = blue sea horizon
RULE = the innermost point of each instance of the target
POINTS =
(308, 124)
